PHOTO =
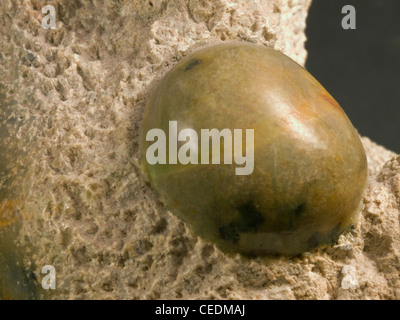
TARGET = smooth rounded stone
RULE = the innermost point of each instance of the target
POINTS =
(310, 167)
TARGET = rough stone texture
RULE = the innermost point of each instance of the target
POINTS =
(78, 94)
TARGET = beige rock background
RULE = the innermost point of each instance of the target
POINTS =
(71, 103)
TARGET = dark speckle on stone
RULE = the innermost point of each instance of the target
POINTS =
(314, 240)
(250, 220)
(229, 232)
(1, 55)
(32, 275)
(334, 234)
(192, 64)
(299, 210)
(31, 56)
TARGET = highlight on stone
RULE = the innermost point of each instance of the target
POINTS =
(310, 167)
